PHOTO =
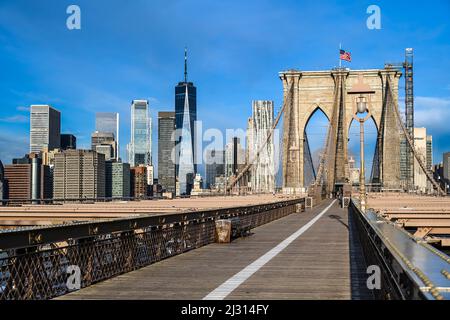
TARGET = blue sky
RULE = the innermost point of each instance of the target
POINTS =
(236, 49)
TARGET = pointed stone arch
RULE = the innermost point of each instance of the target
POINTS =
(330, 91)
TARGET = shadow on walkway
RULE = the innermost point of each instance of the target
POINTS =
(358, 266)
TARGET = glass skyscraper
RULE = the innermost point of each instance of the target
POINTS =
(140, 147)
(108, 122)
(185, 117)
(166, 144)
(45, 128)
(263, 169)
(215, 166)
(186, 170)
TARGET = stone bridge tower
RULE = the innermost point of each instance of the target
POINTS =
(333, 92)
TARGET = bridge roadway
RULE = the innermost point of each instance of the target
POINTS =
(294, 257)
(34, 215)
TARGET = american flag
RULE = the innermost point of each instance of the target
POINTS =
(344, 55)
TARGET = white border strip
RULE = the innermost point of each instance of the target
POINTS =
(235, 281)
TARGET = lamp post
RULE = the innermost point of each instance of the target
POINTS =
(361, 108)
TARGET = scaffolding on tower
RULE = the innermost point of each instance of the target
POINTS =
(409, 116)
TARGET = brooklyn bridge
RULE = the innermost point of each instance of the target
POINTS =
(320, 238)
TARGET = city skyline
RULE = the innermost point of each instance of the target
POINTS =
(224, 152)
(216, 69)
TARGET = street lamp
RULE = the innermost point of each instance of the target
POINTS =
(364, 112)
(362, 93)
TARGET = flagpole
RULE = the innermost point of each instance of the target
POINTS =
(340, 60)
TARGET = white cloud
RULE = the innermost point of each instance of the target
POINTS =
(36, 98)
(432, 113)
(22, 108)
(12, 146)
(18, 118)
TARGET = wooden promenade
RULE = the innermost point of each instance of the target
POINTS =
(322, 262)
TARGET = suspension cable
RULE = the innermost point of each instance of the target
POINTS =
(411, 145)
(269, 136)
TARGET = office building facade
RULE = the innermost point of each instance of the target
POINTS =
(117, 180)
(29, 179)
(18, 182)
(140, 146)
(263, 169)
(234, 157)
(139, 186)
(45, 128)
(79, 174)
(108, 122)
(166, 151)
(420, 145)
(214, 166)
(446, 165)
(68, 141)
(103, 142)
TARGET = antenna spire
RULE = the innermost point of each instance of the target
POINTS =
(185, 64)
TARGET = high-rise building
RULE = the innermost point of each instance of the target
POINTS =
(106, 150)
(234, 157)
(68, 141)
(220, 183)
(45, 128)
(185, 118)
(139, 186)
(150, 175)
(215, 166)
(24, 160)
(18, 182)
(140, 147)
(108, 122)
(79, 174)
(446, 164)
(117, 179)
(229, 159)
(263, 169)
(2, 183)
(48, 157)
(198, 184)
(28, 178)
(354, 172)
(420, 145)
(103, 142)
(249, 147)
(166, 151)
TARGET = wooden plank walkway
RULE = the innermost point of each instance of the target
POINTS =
(314, 266)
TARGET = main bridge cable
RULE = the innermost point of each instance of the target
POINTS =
(323, 157)
(411, 144)
(269, 136)
(327, 145)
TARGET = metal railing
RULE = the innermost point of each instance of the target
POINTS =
(41, 262)
(410, 269)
